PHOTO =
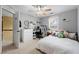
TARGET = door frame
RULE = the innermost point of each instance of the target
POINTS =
(0, 29)
(12, 12)
(2, 25)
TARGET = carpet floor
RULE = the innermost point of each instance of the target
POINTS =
(25, 48)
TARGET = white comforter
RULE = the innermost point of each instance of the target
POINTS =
(54, 45)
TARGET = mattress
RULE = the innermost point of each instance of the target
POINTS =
(55, 45)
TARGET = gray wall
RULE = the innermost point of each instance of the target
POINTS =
(24, 17)
(71, 20)
(71, 17)
(44, 21)
(78, 23)
(6, 13)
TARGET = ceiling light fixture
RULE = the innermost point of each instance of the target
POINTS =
(39, 7)
(42, 10)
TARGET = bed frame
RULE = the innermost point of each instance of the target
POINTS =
(40, 51)
(77, 37)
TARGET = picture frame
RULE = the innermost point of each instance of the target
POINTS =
(26, 24)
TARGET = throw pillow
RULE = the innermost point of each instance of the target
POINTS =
(71, 35)
(61, 34)
(66, 34)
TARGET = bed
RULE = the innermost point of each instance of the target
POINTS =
(55, 45)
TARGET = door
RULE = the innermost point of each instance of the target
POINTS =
(7, 29)
(0, 29)
(16, 31)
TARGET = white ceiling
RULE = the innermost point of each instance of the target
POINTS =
(28, 9)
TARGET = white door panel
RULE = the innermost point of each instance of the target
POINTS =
(16, 32)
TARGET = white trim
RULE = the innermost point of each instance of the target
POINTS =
(0, 29)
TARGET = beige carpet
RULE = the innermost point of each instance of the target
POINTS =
(25, 48)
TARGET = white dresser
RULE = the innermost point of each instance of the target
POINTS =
(27, 35)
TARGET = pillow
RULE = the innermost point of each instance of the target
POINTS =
(71, 35)
(55, 33)
(66, 34)
(61, 34)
